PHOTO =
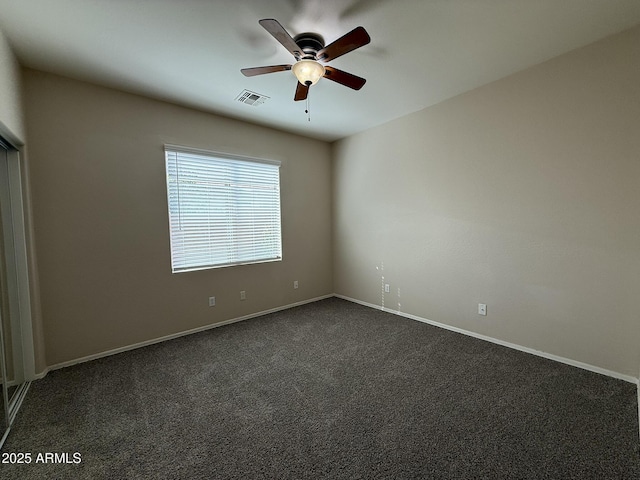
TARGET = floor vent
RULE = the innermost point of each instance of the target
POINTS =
(251, 98)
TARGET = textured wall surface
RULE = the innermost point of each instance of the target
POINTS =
(11, 117)
(523, 195)
(101, 228)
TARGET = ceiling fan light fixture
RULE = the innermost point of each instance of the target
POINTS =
(308, 72)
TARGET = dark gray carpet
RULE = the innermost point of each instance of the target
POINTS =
(328, 390)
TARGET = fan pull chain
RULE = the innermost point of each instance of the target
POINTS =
(308, 111)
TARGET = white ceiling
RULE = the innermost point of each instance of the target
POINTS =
(190, 52)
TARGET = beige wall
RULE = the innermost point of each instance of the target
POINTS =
(12, 128)
(11, 118)
(100, 218)
(523, 194)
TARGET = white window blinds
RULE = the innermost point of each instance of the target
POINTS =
(223, 210)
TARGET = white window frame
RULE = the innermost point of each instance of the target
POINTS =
(224, 209)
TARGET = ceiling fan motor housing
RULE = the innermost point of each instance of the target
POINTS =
(310, 43)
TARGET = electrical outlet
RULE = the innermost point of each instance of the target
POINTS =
(482, 309)
(387, 288)
(295, 284)
(243, 295)
(212, 301)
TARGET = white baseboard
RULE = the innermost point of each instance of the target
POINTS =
(550, 356)
(568, 361)
(115, 351)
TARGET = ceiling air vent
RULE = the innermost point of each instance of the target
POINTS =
(251, 98)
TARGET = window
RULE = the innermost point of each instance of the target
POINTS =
(223, 210)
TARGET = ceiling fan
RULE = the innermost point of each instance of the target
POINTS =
(309, 50)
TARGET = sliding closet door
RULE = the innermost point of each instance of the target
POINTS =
(6, 367)
(9, 302)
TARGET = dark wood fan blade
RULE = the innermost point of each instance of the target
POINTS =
(356, 38)
(280, 34)
(301, 92)
(343, 78)
(250, 72)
